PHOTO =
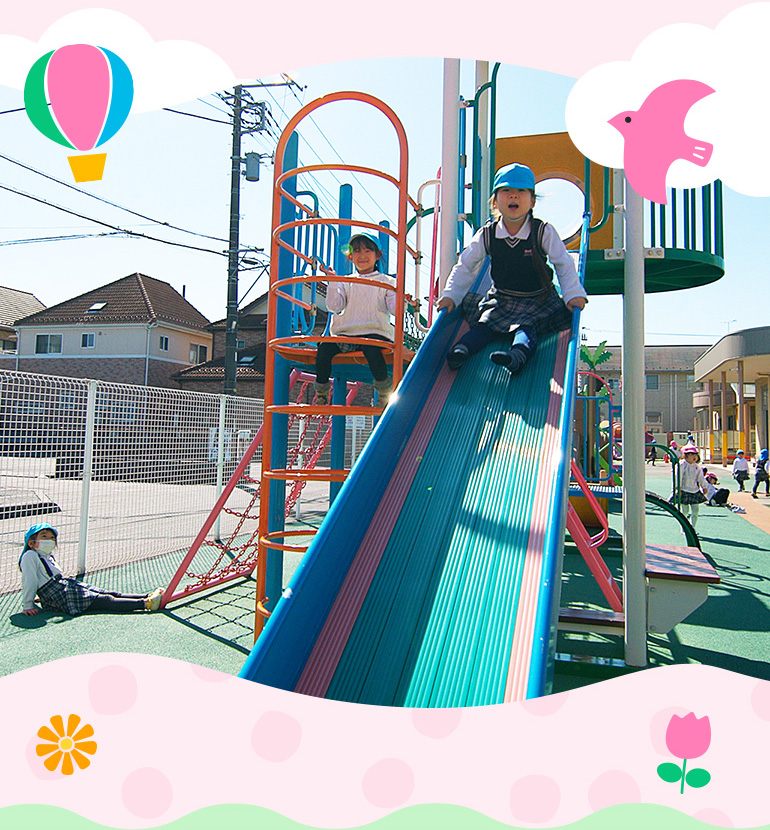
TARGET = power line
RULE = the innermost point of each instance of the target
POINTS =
(57, 238)
(108, 225)
(107, 202)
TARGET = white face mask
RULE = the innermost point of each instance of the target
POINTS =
(46, 546)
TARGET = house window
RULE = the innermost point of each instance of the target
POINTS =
(198, 353)
(653, 417)
(48, 344)
(613, 384)
(87, 341)
(692, 386)
(651, 381)
(240, 344)
(8, 345)
(163, 343)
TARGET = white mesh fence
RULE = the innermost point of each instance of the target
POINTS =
(123, 472)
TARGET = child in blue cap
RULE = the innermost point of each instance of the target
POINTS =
(41, 576)
(761, 474)
(523, 301)
(359, 311)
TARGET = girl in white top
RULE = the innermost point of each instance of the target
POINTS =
(359, 311)
(692, 483)
(741, 469)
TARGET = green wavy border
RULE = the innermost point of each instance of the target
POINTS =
(424, 816)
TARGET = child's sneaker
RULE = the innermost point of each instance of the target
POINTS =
(513, 360)
(456, 357)
(152, 601)
(322, 391)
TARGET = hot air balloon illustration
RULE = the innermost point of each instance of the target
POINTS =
(79, 96)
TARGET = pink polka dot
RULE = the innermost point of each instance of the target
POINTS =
(209, 675)
(659, 725)
(535, 799)
(436, 723)
(388, 783)
(544, 706)
(713, 816)
(147, 793)
(760, 700)
(276, 736)
(35, 761)
(611, 788)
(112, 690)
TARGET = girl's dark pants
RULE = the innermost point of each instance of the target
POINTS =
(374, 357)
(116, 602)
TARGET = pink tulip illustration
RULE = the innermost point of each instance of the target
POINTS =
(687, 738)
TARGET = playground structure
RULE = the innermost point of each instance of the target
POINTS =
(434, 580)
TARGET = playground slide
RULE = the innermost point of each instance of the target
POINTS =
(434, 579)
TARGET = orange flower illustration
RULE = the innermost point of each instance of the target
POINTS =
(66, 744)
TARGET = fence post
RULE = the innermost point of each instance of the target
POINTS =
(88, 466)
(220, 457)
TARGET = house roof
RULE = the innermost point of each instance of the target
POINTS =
(249, 366)
(133, 299)
(15, 304)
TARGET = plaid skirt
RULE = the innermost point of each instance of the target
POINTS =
(66, 595)
(504, 312)
(692, 498)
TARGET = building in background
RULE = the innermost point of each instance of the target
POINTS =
(14, 304)
(669, 384)
(732, 408)
(136, 330)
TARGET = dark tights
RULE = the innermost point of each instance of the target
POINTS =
(481, 335)
(116, 602)
(328, 351)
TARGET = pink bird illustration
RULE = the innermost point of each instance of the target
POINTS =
(655, 137)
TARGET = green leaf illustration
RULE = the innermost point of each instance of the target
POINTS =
(696, 777)
(670, 772)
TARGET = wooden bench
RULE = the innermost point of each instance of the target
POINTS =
(677, 583)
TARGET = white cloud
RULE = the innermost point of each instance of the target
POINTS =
(732, 58)
(165, 73)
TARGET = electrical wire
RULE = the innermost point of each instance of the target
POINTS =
(108, 225)
(107, 202)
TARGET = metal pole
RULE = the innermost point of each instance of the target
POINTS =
(231, 325)
(634, 531)
(88, 466)
(450, 168)
(220, 459)
(482, 75)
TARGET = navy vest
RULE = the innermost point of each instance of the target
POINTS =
(520, 268)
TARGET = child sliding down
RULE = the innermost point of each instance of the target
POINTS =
(523, 301)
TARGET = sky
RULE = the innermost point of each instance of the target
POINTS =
(174, 170)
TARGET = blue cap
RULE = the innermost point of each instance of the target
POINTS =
(36, 529)
(763, 455)
(517, 176)
(373, 239)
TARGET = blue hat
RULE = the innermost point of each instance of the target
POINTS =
(517, 176)
(373, 239)
(763, 455)
(36, 529)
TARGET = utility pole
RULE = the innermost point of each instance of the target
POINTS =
(249, 116)
(231, 325)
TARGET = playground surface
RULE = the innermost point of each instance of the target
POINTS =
(214, 629)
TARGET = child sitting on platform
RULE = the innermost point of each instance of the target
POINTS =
(359, 311)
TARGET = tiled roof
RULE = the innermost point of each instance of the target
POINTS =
(254, 369)
(15, 304)
(133, 299)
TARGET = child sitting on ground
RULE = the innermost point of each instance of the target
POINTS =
(42, 576)
(718, 496)
(359, 311)
(523, 301)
